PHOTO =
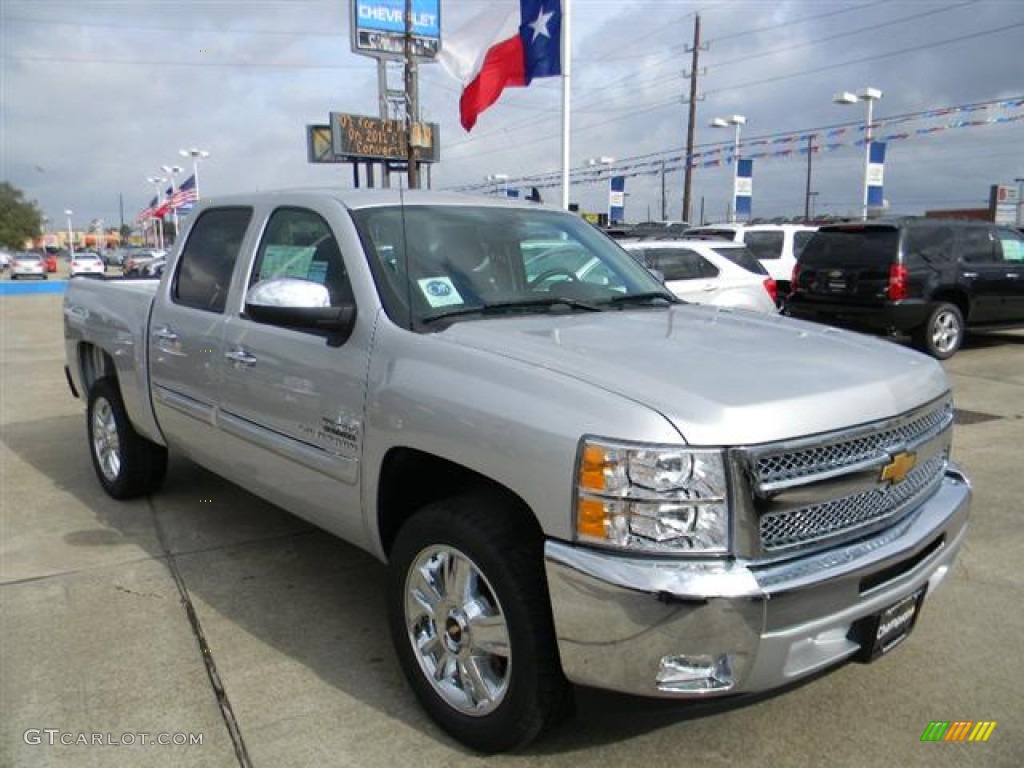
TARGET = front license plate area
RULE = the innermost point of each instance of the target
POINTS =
(880, 633)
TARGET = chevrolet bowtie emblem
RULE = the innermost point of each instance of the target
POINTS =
(898, 469)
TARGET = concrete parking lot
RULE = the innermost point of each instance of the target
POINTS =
(205, 612)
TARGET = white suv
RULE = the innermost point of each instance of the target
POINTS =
(713, 272)
(777, 246)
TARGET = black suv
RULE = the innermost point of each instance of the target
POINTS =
(931, 278)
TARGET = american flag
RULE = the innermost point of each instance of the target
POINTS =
(184, 195)
(148, 212)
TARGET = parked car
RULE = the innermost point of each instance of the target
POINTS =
(136, 260)
(5, 260)
(720, 273)
(86, 263)
(571, 475)
(154, 268)
(25, 264)
(659, 229)
(50, 262)
(934, 279)
(777, 246)
(114, 257)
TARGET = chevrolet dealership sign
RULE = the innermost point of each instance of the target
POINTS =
(378, 28)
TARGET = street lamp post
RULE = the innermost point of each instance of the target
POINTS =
(172, 171)
(98, 224)
(196, 155)
(158, 182)
(737, 121)
(870, 95)
(71, 240)
(1020, 202)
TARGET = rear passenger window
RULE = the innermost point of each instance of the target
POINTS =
(765, 245)
(930, 244)
(1012, 245)
(978, 246)
(741, 257)
(800, 239)
(299, 243)
(680, 264)
(208, 259)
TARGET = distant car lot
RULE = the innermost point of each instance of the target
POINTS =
(95, 634)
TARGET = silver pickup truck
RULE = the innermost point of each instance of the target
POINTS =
(572, 476)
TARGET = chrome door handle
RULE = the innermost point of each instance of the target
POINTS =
(1012, 275)
(239, 357)
(163, 333)
(970, 274)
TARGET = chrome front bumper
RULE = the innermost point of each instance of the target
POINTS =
(619, 618)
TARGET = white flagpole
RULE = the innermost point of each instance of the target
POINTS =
(566, 67)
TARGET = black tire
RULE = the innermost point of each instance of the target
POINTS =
(942, 333)
(496, 538)
(127, 464)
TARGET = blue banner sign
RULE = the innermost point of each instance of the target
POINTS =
(744, 187)
(616, 199)
(876, 175)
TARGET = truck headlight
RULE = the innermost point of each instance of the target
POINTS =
(657, 498)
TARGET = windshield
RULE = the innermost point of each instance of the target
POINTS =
(432, 262)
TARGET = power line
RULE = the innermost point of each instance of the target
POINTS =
(675, 154)
(847, 33)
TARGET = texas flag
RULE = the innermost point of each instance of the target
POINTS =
(508, 44)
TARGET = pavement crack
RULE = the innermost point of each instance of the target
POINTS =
(227, 713)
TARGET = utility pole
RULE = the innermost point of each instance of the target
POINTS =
(411, 99)
(807, 193)
(664, 213)
(687, 181)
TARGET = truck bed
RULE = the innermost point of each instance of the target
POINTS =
(106, 323)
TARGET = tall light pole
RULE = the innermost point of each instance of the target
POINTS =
(870, 95)
(172, 171)
(158, 182)
(196, 155)
(737, 121)
(1020, 202)
(71, 240)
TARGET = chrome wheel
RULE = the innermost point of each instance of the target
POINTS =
(946, 332)
(458, 630)
(105, 443)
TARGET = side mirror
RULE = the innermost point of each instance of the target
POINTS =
(291, 302)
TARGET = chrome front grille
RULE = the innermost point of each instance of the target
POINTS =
(822, 521)
(815, 492)
(836, 454)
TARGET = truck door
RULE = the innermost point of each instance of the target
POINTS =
(291, 401)
(185, 332)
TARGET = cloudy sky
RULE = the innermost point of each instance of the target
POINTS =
(96, 95)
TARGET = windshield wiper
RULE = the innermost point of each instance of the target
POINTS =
(651, 297)
(500, 307)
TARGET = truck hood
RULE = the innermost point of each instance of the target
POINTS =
(721, 377)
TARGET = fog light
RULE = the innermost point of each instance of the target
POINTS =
(695, 674)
